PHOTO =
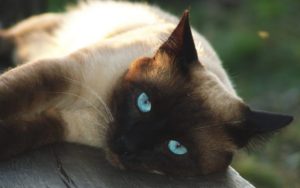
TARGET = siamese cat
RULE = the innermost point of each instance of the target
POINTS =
(128, 78)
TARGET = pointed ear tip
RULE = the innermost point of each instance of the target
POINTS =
(185, 15)
(268, 120)
(289, 119)
(186, 12)
(286, 119)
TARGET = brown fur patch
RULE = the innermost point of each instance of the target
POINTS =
(20, 134)
(30, 85)
(215, 148)
(138, 66)
(215, 97)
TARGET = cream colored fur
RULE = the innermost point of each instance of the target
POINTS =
(105, 37)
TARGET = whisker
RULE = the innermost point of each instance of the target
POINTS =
(91, 91)
(107, 121)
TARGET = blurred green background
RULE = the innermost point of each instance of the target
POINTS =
(259, 43)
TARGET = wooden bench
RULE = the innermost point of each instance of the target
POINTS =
(75, 166)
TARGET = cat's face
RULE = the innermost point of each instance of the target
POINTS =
(173, 116)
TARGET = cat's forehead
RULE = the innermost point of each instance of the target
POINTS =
(157, 69)
(187, 101)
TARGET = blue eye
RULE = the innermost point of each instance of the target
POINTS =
(176, 148)
(143, 102)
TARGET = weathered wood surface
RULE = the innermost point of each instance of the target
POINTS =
(74, 166)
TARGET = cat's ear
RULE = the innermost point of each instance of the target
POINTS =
(180, 45)
(261, 121)
(259, 124)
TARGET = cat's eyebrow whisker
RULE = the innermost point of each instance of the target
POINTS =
(104, 105)
(107, 121)
(219, 124)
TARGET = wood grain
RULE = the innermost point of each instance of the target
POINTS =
(74, 166)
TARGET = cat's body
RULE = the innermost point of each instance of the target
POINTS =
(80, 91)
(132, 30)
(62, 34)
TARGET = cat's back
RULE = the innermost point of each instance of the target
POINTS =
(93, 21)
(136, 29)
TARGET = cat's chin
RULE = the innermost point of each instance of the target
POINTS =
(115, 161)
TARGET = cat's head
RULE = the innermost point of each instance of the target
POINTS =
(173, 116)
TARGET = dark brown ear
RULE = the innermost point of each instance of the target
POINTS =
(258, 124)
(260, 121)
(180, 44)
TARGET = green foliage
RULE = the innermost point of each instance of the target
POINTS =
(274, 164)
(260, 175)
(59, 5)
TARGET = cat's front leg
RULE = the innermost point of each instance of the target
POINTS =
(30, 114)
(34, 87)
(24, 133)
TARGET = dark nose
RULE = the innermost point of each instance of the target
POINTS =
(123, 146)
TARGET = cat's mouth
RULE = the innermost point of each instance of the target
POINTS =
(116, 162)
